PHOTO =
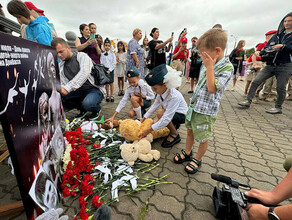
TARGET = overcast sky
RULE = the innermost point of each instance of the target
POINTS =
(247, 20)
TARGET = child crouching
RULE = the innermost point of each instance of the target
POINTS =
(138, 92)
(163, 81)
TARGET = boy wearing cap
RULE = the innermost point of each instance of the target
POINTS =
(37, 29)
(163, 81)
(138, 92)
(180, 55)
(108, 59)
(215, 75)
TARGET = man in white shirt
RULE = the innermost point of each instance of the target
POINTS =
(77, 83)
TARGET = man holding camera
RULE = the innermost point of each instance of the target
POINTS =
(279, 64)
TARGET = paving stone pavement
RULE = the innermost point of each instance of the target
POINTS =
(248, 145)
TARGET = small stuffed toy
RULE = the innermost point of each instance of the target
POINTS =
(131, 130)
(139, 149)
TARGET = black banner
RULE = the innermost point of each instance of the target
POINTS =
(32, 116)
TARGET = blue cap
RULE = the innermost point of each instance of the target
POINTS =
(156, 75)
(132, 72)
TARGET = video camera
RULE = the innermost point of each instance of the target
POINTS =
(268, 53)
(230, 202)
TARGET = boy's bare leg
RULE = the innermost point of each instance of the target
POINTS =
(135, 101)
(170, 126)
(172, 131)
(131, 113)
(201, 151)
(112, 88)
(234, 81)
(107, 90)
(122, 81)
(189, 143)
(192, 84)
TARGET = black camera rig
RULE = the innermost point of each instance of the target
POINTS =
(230, 202)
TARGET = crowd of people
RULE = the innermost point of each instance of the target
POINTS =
(150, 78)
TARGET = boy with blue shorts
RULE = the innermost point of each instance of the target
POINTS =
(215, 75)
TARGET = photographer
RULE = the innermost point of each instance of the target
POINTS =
(278, 65)
(280, 193)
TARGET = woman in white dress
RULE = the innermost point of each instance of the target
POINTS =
(121, 66)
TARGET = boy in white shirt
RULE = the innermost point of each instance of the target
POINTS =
(108, 59)
(138, 92)
(163, 81)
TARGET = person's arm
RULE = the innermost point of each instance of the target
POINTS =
(113, 62)
(210, 78)
(98, 50)
(180, 37)
(163, 44)
(44, 35)
(186, 55)
(167, 116)
(1, 11)
(80, 78)
(135, 57)
(153, 108)
(132, 47)
(176, 52)
(260, 212)
(121, 105)
(280, 193)
(124, 100)
(80, 46)
(123, 58)
(169, 47)
(149, 93)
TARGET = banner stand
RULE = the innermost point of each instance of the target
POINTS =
(4, 153)
(11, 208)
(15, 206)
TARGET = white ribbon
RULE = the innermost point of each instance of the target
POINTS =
(122, 182)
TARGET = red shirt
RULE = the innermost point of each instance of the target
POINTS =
(181, 55)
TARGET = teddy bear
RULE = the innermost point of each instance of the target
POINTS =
(131, 129)
(139, 149)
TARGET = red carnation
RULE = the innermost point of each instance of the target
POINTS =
(96, 146)
(95, 201)
(66, 192)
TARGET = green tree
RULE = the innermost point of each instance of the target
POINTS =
(248, 52)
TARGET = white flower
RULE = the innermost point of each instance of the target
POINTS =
(66, 158)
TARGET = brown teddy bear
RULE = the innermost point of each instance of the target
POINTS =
(131, 129)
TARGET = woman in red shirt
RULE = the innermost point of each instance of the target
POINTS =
(180, 55)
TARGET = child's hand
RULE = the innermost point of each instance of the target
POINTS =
(140, 95)
(142, 120)
(111, 119)
(208, 61)
(146, 132)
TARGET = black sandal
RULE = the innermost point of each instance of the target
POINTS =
(187, 157)
(193, 168)
(112, 99)
(107, 99)
(168, 144)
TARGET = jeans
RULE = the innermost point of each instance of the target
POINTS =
(87, 100)
(282, 73)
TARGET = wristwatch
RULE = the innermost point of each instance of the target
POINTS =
(272, 215)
